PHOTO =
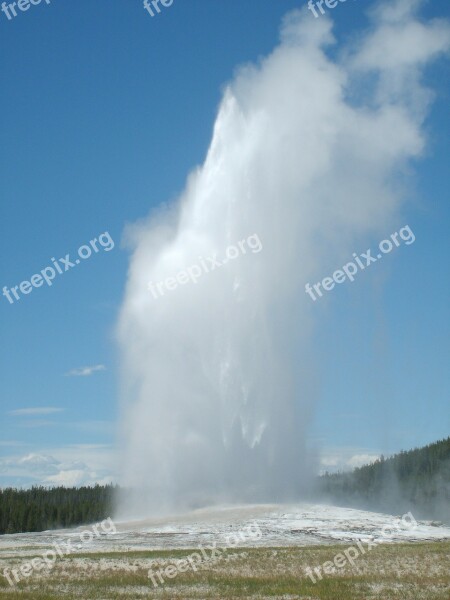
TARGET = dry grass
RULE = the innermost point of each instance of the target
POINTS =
(418, 571)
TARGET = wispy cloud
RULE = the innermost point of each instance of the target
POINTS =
(72, 465)
(35, 423)
(40, 410)
(346, 458)
(95, 426)
(85, 371)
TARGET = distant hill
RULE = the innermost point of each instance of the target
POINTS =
(417, 480)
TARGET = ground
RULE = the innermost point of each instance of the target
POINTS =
(242, 552)
(407, 571)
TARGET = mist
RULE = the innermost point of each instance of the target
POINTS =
(310, 153)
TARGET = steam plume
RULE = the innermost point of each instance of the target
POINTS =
(307, 153)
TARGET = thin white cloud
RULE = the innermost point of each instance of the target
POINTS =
(359, 460)
(95, 427)
(39, 423)
(346, 458)
(85, 371)
(73, 465)
(40, 410)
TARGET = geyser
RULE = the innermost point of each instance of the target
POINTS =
(308, 154)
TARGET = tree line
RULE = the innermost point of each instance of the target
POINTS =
(41, 508)
(417, 480)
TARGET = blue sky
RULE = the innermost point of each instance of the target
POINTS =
(105, 110)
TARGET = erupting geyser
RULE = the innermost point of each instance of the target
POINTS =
(216, 396)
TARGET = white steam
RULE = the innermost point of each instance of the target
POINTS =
(307, 153)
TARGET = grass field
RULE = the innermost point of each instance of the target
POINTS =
(415, 571)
